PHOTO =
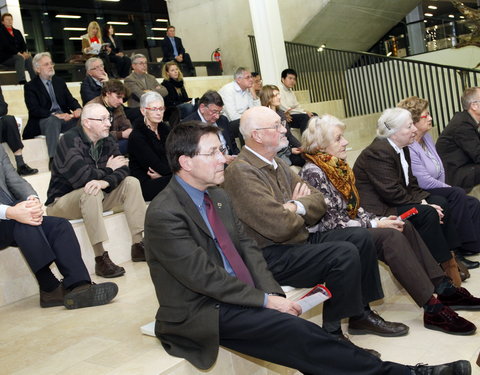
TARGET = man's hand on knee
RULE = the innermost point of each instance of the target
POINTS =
(93, 187)
(283, 305)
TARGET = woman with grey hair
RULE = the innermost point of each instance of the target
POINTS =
(146, 146)
(387, 186)
(397, 243)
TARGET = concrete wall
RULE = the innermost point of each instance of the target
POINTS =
(465, 57)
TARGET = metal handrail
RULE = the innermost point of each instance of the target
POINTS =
(369, 83)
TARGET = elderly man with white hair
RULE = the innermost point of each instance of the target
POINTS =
(89, 176)
(276, 207)
(51, 107)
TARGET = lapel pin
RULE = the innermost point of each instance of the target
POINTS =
(219, 205)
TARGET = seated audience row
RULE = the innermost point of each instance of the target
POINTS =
(203, 264)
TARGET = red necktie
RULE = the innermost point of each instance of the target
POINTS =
(226, 244)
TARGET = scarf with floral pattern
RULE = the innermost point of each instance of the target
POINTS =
(341, 176)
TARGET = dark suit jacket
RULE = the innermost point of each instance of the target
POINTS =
(380, 181)
(10, 45)
(11, 182)
(89, 89)
(173, 98)
(459, 149)
(39, 103)
(167, 48)
(222, 123)
(188, 274)
(118, 43)
(3, 104)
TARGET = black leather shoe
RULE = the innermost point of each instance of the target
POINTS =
(374, 324)
(344, 337)
(470, 264)
(138, 252)
(25, 170)
(452, 368)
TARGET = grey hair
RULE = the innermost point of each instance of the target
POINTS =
(391, 120)
(149, 97)
(90, 61)
(319, 133)
(136, 57)
(38, 57)
(469, 96)
(238, 73)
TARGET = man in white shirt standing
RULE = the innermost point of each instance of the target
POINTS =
(289, 103)
(238, 96)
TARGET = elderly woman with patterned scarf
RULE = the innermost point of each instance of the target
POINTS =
(397, 242)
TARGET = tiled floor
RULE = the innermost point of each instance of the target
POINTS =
(107, 340)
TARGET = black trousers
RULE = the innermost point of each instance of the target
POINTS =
(299, 121)
(297, 343)
(9, 133)
(465, 213)
(52, 241)
(122, 63)
(150, 188)
(349, 271)
(439, 238)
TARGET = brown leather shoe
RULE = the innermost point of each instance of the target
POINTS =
(138, 252)
(53, 298)
(448, 321)
(374, 324)
(89, 295)
(104, 267)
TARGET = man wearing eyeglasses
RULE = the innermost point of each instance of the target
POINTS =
(277, 207)
(51, 107)
(139, 82)
(459, 145)
(214, 287)
(91, 86)
(112, 95)
(209, 111)
(90, 176)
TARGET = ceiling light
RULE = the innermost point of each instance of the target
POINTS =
(159, 28)
(48, 37)
(428, 14)
(75, 28)
(123, 34)
(462, 17)
(112, 1)
(75, 38)
(161, 20)
(432, 7)
(67, 16)
(154, 37)
(117, 23)
(389, 54)
(451, 16)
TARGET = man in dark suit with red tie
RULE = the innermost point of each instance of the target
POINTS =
(213, 285)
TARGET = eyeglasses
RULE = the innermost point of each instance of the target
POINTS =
(97, 67)
(155, 109)
(217, 153)
(106, 120)
(426, 116)
(277, 127)
(214, 111)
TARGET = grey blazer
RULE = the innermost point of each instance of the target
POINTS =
(11, 182)
(188, 273)
(138, 83)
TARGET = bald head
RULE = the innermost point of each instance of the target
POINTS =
(93, 110)
(263, 131)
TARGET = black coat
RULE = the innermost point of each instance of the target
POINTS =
(10, 45)
(89, 89)
(174, 98)
(39, 103)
